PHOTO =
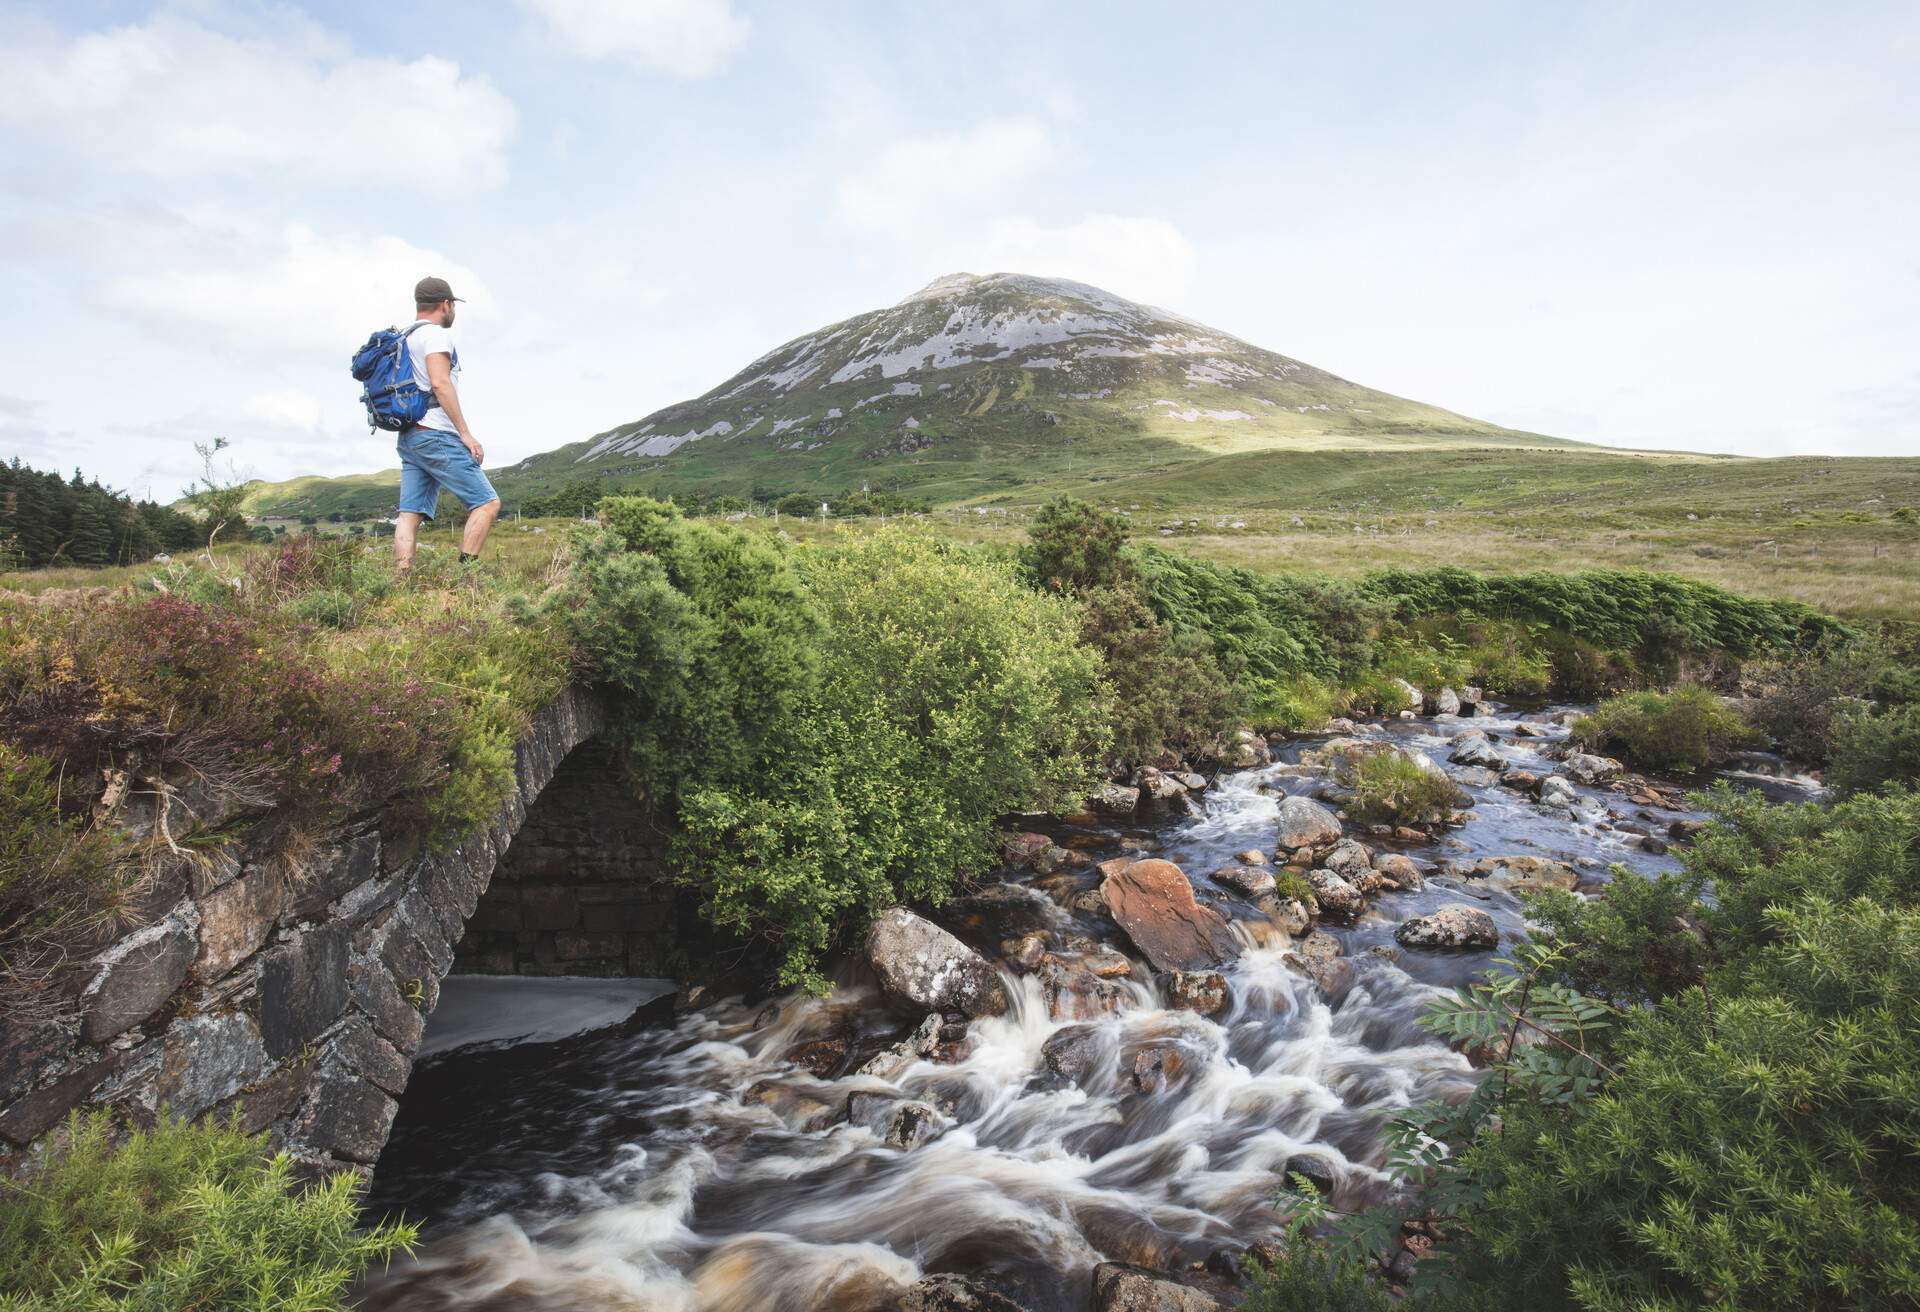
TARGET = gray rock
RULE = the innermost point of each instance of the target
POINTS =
(1472, 747)
(1338, 899)
(1303, 822)
(1349, 860)
(1415, 698)
(922, 965)
(1444, 702)
(1454, 928)
(1115, 799)
(303, 988)
(236, 918)
(1247, 881)
(1398, 872)
(1121, 1288)
(1202, 991)
(911, 1124)
(207, 1059)
(1523, 874)
(141, 973)
(1591, 769)
(952, 1293)
(1073, 1052)
(345, 1117)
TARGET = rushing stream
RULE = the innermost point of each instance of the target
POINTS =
(690, 1164)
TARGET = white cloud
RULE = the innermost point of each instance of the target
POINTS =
(682, 38)
(918, 182)
(173, 97)
(267, 287)
(1143, 259)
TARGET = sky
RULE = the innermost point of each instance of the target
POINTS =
(1650, 225)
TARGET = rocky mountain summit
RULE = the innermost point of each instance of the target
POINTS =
(1007, 360)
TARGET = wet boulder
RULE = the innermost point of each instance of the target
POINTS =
(1557, 793)
(1590, 769)
(1348, 859)
(1158, 1067)
(1253, 856)
(1242, 750)
(1121, 1288)
(1288, 914)
(1073, 992)
(1398, 872)
(1451, 929)
(911, 1124)
(1305, 823)
(1115, 799)
(1153, 902)
(1025, 952)
(1444, 702)
(1247, 881)
(1073, 1052)
(922, 1043)
(1202, 991)
(1415, 698)
(1160, 793)
(921, 965)
(1339, 900)
(953, 1293)
(1472, 747)
(1523, 874)
(1316, 1171)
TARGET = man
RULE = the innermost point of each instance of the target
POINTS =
(439, 451)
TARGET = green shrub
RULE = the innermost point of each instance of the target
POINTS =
(60, 879)
(949, 694)
(1805, 698)
(1306, 1277)
(1390, 789)
(1745, 1133)
(705, 631)
(1170, 691)
(1659, 618)
(1299, 705)
(181, 1216)
(1873, 751)
(1275, 628)
(1291, 884)
(1687, 729)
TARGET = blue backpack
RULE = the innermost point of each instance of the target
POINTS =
(393, 400)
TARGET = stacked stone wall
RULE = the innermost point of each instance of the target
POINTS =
(584, 890)
(293, 989)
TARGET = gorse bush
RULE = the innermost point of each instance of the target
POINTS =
(181, 1216)
(1687, 729)
(1873, 751)
(1745, 1133)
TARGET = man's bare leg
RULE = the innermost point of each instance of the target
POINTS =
(406, 530)
(479, 524)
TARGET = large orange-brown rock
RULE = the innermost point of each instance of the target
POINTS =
(1153, 902)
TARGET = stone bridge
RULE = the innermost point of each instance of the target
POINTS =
(295, 991)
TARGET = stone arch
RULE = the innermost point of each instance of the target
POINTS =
(297, 996)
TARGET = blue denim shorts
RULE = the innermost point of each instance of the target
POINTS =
(431, 460)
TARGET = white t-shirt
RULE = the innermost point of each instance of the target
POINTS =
(421, 343)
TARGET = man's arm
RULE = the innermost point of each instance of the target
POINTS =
(440, 374)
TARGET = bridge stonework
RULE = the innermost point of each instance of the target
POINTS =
(294, 991)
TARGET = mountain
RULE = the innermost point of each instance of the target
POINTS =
(975, 385)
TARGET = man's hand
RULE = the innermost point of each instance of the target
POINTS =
(474, 449)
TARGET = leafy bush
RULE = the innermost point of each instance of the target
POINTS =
(1805, 698)
(1299, 705)
(1390, 789)
(706, 632)
(949, 695)
(1169, 690)
(1873, 751)
(181, 1216)
(1687, 729)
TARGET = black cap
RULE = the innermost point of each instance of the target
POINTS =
(432, 291)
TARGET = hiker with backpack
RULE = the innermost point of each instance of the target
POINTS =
(412, 389)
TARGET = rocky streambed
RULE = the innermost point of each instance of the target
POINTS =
(1080, 1086)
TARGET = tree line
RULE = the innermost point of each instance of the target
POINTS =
(46, 519)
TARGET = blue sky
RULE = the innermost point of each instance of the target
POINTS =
(1648, 225)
